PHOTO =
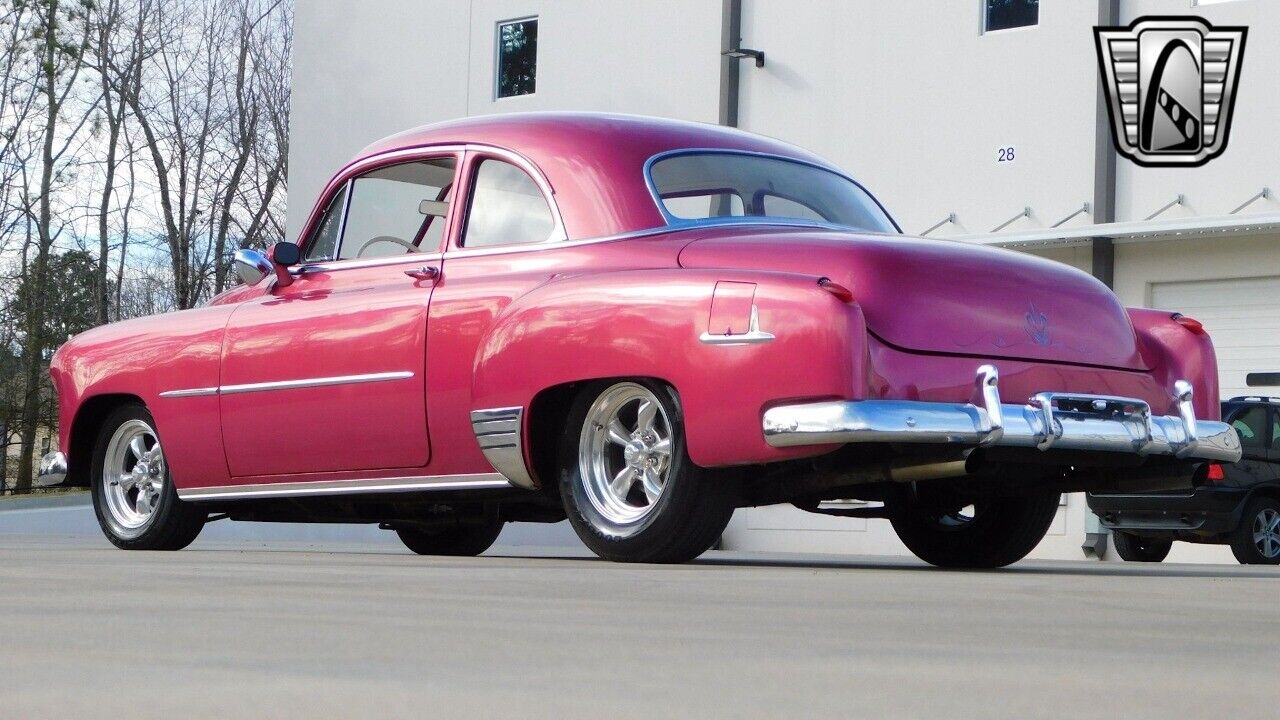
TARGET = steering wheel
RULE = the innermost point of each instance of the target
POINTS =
(389, 239)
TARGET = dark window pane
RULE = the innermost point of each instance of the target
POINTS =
(1005, 14)
(1249, 425)
(517, 58)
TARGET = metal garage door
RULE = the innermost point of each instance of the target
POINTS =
(1242, 316)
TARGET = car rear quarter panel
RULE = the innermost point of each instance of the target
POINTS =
(143, 358)
(1172, 352)
(647, 323)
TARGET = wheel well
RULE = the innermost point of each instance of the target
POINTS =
(1270, 491)
(84, 433)
(548, 413)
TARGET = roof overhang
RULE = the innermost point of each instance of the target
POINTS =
(1134, 231)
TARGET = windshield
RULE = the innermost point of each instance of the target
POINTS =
(720, 185)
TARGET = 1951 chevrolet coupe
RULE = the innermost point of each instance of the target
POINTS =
(639, 325)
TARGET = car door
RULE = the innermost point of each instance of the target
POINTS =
(327, 374)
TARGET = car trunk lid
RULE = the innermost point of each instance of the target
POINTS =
(945, 297)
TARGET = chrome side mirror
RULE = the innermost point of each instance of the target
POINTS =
(251, 266)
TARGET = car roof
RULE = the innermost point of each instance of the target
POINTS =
(594, 162)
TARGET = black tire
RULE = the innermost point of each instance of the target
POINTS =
(466, 540)
(686, 518)
(1260, 515)
(1001, 531)
(1135, 548)
(172, 523)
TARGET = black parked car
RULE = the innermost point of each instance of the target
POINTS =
(1229, 504)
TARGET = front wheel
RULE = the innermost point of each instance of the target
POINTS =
(1133, 548)
(989, 533)
(629, 488)
(1257, 540)
(133, 493)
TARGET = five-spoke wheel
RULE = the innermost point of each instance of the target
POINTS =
(133, 495)
(629, 488)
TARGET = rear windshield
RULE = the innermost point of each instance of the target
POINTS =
(718, 186)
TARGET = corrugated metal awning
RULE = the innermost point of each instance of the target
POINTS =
(1132, 231)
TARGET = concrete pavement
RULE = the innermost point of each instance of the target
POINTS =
(309, 630)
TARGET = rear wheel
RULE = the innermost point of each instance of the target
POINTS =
(133, 493)
(989, 533)
(628, 486)
(461, 540)
(1134, 548)
(1257, 540)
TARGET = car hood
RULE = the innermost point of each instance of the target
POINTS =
(945, 297)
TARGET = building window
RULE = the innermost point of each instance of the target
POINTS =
(517, 57)
(1005, 14)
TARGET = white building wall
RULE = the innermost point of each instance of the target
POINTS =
(915, 100)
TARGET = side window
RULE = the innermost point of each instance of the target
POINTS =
(507, 208)
(1275, 430)
(1251, 424)
(326, 238)
(392, 211)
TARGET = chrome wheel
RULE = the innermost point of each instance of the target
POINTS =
(1266, 533)
(133, 477)
(624, 453)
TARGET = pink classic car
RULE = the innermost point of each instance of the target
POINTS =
(639, 325)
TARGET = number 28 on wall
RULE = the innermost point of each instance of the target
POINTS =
(1005, 154)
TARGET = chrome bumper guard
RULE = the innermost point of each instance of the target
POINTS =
(1049, 420)
(53, 470)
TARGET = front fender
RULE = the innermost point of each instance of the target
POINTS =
(648, 323)
(140, 359)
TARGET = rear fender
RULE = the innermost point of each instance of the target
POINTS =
(648, 323)
(1173, 352)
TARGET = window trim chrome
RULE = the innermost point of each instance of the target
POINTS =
(558, 234)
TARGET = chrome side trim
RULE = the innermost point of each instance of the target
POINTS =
(498, 431)
(476, 481)
(289, 384)
(753, 335)
(53, 469)
(315, 382)
(189, 392)
(1061, 421)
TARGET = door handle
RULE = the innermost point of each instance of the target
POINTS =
(425, 272)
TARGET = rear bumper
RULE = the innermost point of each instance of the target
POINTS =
(1208, 510)
(53, 469)
(1061, 421)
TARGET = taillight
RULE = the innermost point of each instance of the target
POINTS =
(1215, 473)
(840, 291)
(1191, 324)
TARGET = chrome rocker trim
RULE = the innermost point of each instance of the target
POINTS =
(53, 469)
(498, 431)
(1091, 423)
(477, 481)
